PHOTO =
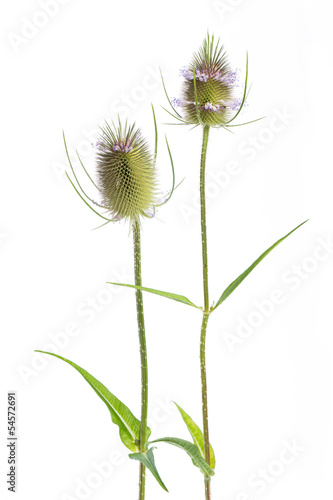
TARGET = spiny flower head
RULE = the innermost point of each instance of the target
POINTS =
(126, 172)
(207, 95)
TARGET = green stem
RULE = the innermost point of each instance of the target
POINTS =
(143, 354)
(206, 311)
(203, 217)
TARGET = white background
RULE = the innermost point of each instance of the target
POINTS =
(78, 67)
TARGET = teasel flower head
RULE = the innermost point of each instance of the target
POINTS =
(126, 175)
(126, 172)
(208, 95)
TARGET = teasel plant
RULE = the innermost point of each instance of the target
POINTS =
(127, 188)
(208, 101)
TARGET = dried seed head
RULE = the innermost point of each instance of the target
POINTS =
(214, 82)
(126, 173)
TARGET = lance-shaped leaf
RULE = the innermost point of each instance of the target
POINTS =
(168, 295)
(192, 451)
(129, 426)
(148, 461)
(197, 436)
(228, 291)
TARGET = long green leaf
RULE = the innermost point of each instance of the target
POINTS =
(193, 452)
(148, 461)
(168, 295)
(129, 426)
(228, 291)
(197, 436)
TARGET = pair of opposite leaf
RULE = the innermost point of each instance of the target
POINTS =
(129, 429)
(129, 426)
